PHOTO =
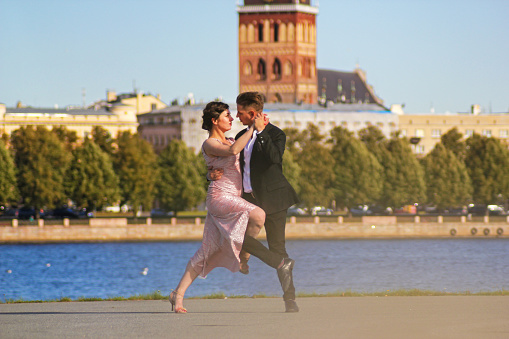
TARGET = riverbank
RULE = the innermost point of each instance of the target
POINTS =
(370, 317)
(345, 294)
(118, 229)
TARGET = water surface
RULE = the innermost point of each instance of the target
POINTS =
(52, 271)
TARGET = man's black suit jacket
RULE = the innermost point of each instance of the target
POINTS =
(270, 187)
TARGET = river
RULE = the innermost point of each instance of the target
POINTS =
(52, 271)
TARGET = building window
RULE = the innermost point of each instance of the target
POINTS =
(276, 68)
(504, 133)
(248, 69)
(276, 32)
(260, 32)
(261, 70)
(154, 107)
(419, 149)
(380, 125)
(436, 133)
(340, 86)
(419, 132)
(288, 68)
(486, 133)
(469, 133)
(403, 133)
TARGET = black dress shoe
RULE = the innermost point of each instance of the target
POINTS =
(284, 273)
(291, 306)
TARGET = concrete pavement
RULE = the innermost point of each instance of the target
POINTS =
(348, 317)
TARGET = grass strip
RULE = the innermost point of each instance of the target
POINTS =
(388, 293)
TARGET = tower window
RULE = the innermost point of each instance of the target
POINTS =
(276, 68)
(276, 32)
(260, 32)
(248, 69)
(261, 70)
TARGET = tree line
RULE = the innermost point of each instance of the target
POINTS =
(44, 168)
(374, 170)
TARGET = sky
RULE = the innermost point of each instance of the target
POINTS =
(441, 55)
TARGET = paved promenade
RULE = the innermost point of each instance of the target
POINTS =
(352, 317)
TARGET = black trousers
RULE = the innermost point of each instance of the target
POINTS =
(275, 225)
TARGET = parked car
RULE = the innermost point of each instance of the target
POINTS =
(27, 213)
(486, 210)
(69, 213)
(10, 213)
(294, 211)
(160, 213)
(321, 210)
(456, 211)
(360, 210)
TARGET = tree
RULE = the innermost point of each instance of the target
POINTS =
(181, 178)
(357, 171)
(374, 139)
(67, 137)
(103, 139)
(317, 168)
(91, 180)
(446, 177)
(291, 170)
(42, 162)
(487, 162)
(8, 188)
(452, 141)
(404, 176)
(135, 164)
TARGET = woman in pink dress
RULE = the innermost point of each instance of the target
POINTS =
(229, 217)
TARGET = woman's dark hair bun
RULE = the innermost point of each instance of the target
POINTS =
(212, 111)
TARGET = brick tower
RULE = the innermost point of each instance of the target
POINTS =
(277, 49)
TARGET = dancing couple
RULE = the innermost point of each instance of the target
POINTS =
(248, 191)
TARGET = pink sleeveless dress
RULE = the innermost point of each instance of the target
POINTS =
(227, 217)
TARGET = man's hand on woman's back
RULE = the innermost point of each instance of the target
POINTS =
(214, 173)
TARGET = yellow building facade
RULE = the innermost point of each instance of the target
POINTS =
(118, 113)
(428, 129)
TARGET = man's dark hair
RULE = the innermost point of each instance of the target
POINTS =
(251, 99)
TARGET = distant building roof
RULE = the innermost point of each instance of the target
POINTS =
(272, 107)
(54, 111)
(346, 87)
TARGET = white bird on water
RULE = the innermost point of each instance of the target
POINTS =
(145, 271)
(9, 271)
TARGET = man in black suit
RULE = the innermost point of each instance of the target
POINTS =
(265, 186)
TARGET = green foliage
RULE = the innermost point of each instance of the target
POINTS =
(136, 166)
(446, 177)
(291, 170)
(181, 183)
(8, 188)
(374, 139)
(317, 168)
(358, 173)
(42, 162)
(487, 162)
(103, 139)
(91, 180)
(67, 137)
(404, 176)
(452, 140)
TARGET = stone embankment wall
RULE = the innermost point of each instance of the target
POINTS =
(118, 229)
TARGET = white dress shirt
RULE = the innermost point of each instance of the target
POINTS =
(248, 149)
